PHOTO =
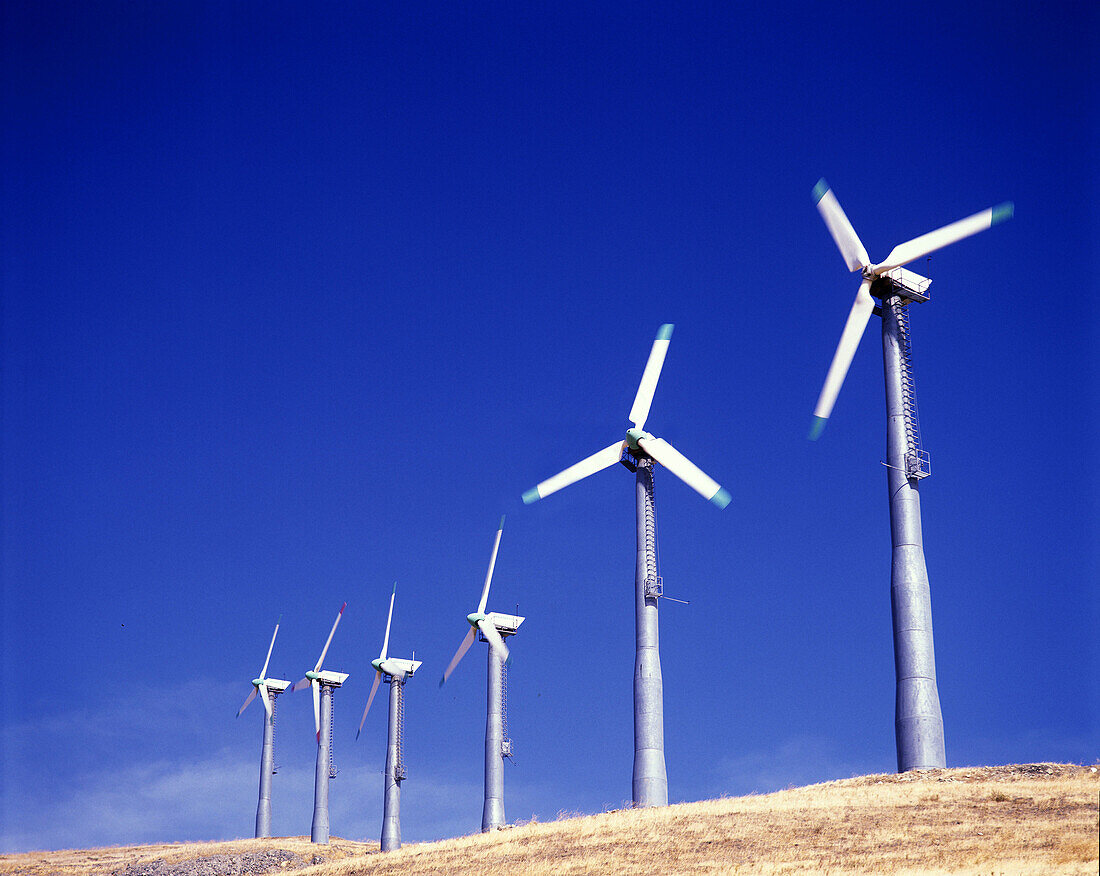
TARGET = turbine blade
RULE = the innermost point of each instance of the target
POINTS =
(492, 565)
(300, 684)
(639, 412)
(844, 235)
(370, 699)
(266, 697)
(328, 642)
(590, 465)
(459, 654)
(386, 640)
(686, 470)
(941, 237)
(317, 708)
(493, 635)
(861, 311)
(247, 701)
(263, 672)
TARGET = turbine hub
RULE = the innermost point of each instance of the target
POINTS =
(377, 664)
(256, 682)
(313, 676)
(633, 436)
(474, 617)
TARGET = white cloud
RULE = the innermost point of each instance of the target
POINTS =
(799, 760)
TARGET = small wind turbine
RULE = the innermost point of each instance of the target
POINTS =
(918, 722)
(268, 689)
(638, 453)
(323, 684)
(493, 627)
(396, 672)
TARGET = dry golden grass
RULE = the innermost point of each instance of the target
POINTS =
(1033, 819)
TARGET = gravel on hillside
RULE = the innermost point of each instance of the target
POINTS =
(247, 864)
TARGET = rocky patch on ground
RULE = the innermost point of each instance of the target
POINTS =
(247, 864)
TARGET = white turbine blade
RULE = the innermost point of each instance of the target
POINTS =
(247, 701)
(861, 311)
(459, 654)
(493, 635)
(847, 241)
(266, 697)
(328, 642)
(386, 640)
(300, 684)
(686, 470)
(639, 412)
(492, 565)
(263, 672)
(941, 237)
(590, 465)
(317, 707)
(370, 699)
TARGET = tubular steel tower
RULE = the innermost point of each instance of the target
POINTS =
(319, 832)
(497, 744)
(918, 723)
(395, 760)
(650, 779)
(267, 768)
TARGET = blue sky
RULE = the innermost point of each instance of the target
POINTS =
(297, 302)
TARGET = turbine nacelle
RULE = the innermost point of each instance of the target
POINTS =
(332, 679)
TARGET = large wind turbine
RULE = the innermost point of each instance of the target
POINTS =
(918, 723)
(638, 453)
(268, 689)
(323, 684)
(493, 627)
(395, 672)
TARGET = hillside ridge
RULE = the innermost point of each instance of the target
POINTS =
(1020, 818)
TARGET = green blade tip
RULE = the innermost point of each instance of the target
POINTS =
(820, 190)
(817, 427)
(664, 333)
(721, 498)
(501, 522)
(1002, 213)
(441, 681)
(532, 495)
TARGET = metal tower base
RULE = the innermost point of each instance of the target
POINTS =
(650, 780)
(918, 722)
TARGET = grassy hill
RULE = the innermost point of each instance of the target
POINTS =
(1023, 819)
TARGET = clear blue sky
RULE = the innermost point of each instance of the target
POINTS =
(297, 302)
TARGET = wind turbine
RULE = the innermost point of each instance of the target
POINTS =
(323, 684)
(396, 672)
(493, 628)
(268, 689)
(918, 723)
(639, 452)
